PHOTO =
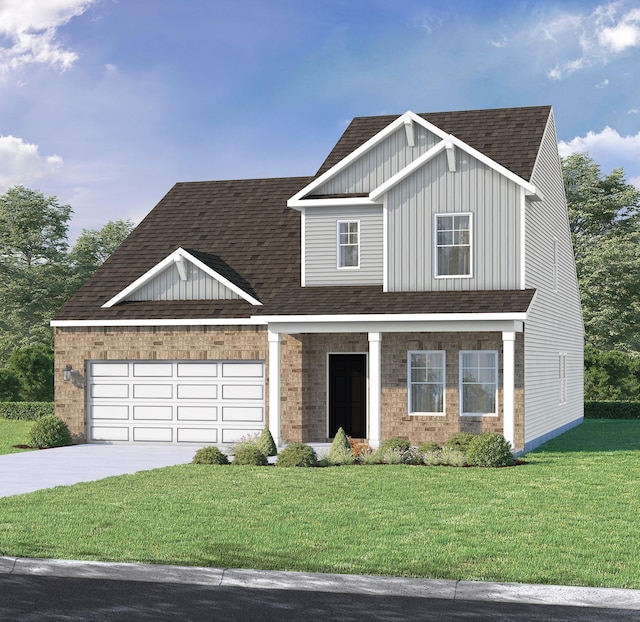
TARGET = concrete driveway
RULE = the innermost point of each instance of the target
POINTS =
(63, 466)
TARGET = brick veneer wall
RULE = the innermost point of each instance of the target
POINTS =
(75, 346)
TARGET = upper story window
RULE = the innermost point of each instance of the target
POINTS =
(478, 382)
(453, 245)
(348, 244)
(426, 380)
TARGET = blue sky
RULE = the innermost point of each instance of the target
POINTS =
(107, 103)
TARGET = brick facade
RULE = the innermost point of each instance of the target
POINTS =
(303, 383)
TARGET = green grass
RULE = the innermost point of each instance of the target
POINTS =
(13, 433)
(568, 517)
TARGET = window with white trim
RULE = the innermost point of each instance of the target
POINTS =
(478, 382)
(426, 382)
(562, 376)
(453, 245)
(555, 264)
(348, 243)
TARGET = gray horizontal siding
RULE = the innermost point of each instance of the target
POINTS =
(380, 163)
(198, 286)
(554, 322)
(474, 187)
(320, 246)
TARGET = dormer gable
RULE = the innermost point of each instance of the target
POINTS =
(187, 275)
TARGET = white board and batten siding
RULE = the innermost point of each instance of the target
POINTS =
(182, 402)
(554, 322)
(380, 163)
(169, 286)
(320, 245)
(492, 199)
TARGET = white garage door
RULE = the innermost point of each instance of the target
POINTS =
(174, 401)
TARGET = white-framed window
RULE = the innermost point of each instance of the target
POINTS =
(554, 266)
(452, 245)
(478, 382)
(348, 243)
(426, 382)
(562, 376)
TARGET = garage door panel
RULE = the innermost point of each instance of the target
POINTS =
(111, 433)
(120, 391)
(242, 413)
(242, 370)
(197, 370)
(174, 401)
(110, 412)
(197, 391)
(197, 435)
(153, 435)
(153, 412)
(197, 413)
(153, 391)
(153, 370)
(109, 370)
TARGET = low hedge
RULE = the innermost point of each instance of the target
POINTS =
(26, 411)
(612, 410)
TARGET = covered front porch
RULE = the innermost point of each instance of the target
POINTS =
(386, 348)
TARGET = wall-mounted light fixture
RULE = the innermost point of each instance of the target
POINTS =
(66, 372)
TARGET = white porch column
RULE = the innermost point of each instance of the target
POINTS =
(274, 386)
(508, 385)
(375, 387)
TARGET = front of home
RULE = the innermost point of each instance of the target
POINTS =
(421, 284)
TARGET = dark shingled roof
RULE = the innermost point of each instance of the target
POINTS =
(244, 230)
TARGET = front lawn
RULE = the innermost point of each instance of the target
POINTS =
(13, 433)
(570, 516)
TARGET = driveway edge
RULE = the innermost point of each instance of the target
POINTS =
(610, 598)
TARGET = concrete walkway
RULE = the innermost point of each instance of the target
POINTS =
(64, 466)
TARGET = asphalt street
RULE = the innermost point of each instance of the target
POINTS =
(25, 598)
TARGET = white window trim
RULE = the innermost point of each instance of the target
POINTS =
(461, 385)
(444, 384)
(562, 376)
(338, 223)
(435, 246)
(554, 264)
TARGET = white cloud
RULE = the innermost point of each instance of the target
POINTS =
(607, 31)
(21, 163)
(633, 111)
(610, 150)
(602, 84)
(500, 43)
(29, 28)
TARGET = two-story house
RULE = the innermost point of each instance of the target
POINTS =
(420, 284)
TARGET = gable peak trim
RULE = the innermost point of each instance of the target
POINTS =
(180, 256)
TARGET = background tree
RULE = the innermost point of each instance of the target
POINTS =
(611, 375)
(33, 266)
(33, 367)
(604, 215)
(9, 386)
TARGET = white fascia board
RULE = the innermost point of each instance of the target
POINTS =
(253, 321)
(407, 170)
(361, 150)
(178, 254)
(299, 204)
(396, 317)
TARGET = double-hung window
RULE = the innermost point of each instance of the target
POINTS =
(453, 233)
(562, 376)
(348, 244)
(426, 380)
(478, 382)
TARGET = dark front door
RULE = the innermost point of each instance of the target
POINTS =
(348, 394)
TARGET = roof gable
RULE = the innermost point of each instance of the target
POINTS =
(185, 275)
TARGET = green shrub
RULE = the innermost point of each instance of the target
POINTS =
(339, 447)
(395, 442)
(490, 450)
(453, 457)
(392, 455)
(412, 456)
(26, 411)
(9, 386)
(433, 458)
(249, 454)
(297, 455)
(49, 431)
(340, 455)
(429, 446)
(369, 456)
(210, 455)
(266, 444)
(460, 441)
(610, 410)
